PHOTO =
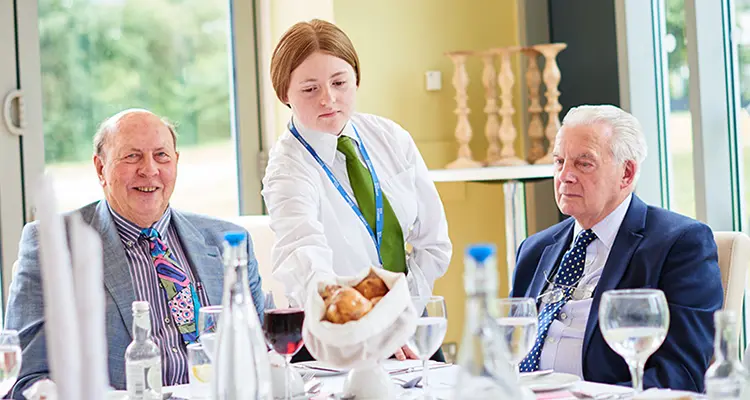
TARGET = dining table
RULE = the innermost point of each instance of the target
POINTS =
(442, 380)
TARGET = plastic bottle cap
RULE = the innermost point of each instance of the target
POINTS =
(480, 252)
(235, 238)
(140, 306)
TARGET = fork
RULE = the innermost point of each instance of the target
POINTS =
(603, 396)
(408, 384)
(307, 376)
(313, 386)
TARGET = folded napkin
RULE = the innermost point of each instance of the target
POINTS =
(73, 308)
(374, 337)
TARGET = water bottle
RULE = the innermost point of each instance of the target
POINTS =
(142, 358)
(241, 367)
(485, 371)
(726, 377)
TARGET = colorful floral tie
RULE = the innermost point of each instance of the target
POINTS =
(182, 299)
(568, 275)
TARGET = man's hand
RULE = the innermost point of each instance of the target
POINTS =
(405, 353)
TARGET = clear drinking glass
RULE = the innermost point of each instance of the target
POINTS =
(516, 317)
(283, 330)
(208, 319)
(431, 327)
(200, 372)
(10, 359)
(634, 324)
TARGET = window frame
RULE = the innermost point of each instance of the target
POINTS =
(22, 159)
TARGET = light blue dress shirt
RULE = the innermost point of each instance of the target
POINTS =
(563, 348)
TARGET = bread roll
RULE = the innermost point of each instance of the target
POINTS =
(328, 292)
(372, 286)
(347, 305)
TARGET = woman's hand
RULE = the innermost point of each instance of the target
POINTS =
(405, 353)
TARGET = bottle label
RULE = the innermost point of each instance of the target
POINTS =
(143, 379)
(154, 377)
(135, 380)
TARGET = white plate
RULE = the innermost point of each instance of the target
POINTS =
(117, 395)
(312, 366)
(663, 394)
(123, 394)
(553, 381)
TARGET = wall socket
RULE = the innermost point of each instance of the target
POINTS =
(433, 80)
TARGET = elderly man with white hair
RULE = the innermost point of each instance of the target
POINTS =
(615, 241)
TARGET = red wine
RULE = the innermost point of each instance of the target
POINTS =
(283, 329)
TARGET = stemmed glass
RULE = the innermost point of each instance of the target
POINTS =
(634, 324)
(431, 327)
(208, 318)
(10, 359)
(516, 317)
(282, 328)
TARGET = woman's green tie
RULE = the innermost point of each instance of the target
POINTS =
(392, 247)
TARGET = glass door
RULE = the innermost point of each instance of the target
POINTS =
(17, 104)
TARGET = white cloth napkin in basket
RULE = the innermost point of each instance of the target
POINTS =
(374, 337)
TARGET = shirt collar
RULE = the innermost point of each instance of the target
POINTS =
(606, 229)
(324, 143)
(130, 232)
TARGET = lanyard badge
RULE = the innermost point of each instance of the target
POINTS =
(377, 236)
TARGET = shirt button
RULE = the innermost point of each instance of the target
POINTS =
(563, 316)
(551, 340)
(166, 319)
(174, 349)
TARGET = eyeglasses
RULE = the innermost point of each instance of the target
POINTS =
(557, 292)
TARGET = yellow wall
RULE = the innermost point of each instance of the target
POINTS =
(397, 41)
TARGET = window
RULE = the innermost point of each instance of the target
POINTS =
(679, 121)
(99, 57)
(742, 38)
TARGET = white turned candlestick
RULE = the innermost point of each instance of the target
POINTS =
(551, 76)
(463, 128)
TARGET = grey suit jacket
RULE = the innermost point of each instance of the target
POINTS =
(201, 238)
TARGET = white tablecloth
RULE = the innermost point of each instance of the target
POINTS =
(440, 379)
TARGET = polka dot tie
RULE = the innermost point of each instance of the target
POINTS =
(568, 275)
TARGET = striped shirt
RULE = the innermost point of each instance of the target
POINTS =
(147, 288)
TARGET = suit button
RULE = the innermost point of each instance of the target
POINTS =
(174, 350)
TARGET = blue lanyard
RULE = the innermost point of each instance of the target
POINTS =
(377, 237)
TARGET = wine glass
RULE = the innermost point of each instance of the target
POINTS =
(634, 324)
(282, 328)
(10, 359)
(431, 327)
(516, 317)
(208, 319)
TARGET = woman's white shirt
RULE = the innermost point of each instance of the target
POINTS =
(318, 235)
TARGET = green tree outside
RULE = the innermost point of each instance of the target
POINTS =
(101, 56)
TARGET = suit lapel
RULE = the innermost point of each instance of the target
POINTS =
(550, 258)
(204, 259)
(626, 242)
(117, 279)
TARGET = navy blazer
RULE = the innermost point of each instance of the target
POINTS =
(654, 248)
